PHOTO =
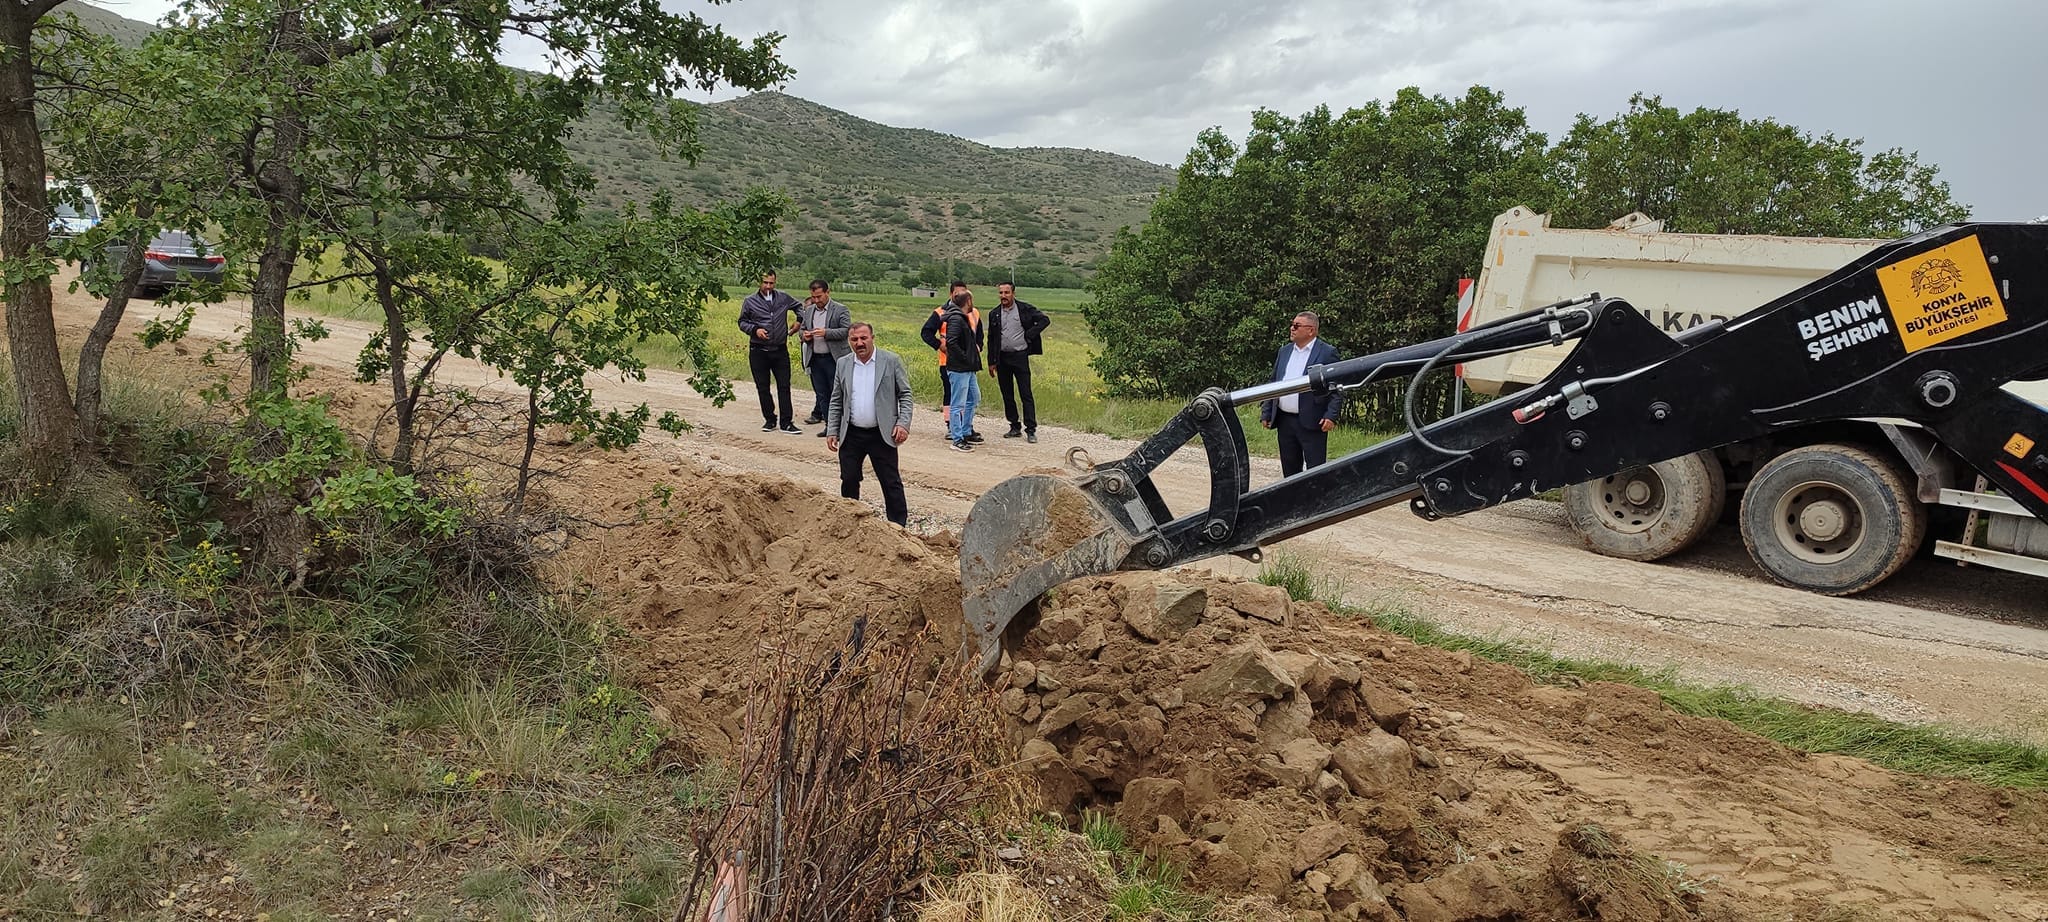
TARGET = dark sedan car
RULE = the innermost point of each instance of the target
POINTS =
(172, 258)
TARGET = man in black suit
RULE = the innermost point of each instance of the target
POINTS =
(1302, 421)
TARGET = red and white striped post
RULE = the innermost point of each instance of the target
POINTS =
(1464, 322)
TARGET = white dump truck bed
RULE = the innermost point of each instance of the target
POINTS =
(1678, 280)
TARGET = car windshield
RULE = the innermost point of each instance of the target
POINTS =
(67, 211)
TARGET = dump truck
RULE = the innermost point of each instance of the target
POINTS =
(1844, 408)
(1682, 281)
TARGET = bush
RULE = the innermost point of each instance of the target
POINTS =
(877, 761)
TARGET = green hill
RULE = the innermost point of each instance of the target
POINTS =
(873, 202)
(878, 199)
(128, 32)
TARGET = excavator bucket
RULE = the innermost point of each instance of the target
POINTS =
(1022, 538)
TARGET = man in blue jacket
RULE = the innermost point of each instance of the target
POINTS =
(764, 317)
(1302, 421)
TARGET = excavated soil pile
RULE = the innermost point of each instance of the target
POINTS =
(710, 573)
(1229, 733)
(1271, 748)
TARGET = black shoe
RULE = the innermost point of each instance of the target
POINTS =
(813, 419)
(822, 433)
(792, 429)
(768, 426)
(974, 437)
(1014, 433)
(1031, 437)
(962, 445)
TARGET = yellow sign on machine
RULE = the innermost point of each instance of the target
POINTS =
(1942, 294)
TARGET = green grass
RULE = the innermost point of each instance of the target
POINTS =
(1140, 888)
(1303, 581)
(156, 731)
(1924, 749)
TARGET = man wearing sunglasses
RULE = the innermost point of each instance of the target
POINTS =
(1302, 421)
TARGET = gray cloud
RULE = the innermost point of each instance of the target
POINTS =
(1957, 82)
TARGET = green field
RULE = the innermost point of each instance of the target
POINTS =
(1068, 391)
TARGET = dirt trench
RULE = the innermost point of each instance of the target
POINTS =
(1274, 749)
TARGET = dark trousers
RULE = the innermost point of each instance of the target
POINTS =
(822, 369)
(1013, 375)
(864, 444)
(766, 363)
(1303, 443)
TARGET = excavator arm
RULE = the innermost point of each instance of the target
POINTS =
(1925, 330)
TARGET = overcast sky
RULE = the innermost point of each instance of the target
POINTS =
(1959, 81)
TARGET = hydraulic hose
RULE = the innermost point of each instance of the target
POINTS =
(1548, 314)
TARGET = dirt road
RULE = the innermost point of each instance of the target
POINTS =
(1938, 643)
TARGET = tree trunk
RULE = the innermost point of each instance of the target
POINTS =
(518, 504)
(282, 535)
(533, 420)
(395, 347)
(282, 192)
(47, 419)
(92, 356)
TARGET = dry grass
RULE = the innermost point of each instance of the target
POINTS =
(985, 896)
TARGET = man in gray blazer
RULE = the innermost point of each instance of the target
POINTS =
(823, 323)
(869, 417)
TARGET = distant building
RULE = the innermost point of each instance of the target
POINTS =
(924, 292)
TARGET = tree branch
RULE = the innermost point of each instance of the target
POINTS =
(370, 39)
(315, 283)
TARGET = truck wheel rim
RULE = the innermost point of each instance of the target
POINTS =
(1632, 502)
(1819, 522)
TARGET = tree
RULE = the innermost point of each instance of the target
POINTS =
(1711, 171)
(110, 141)
(26, 264)
(1368, 218)
(573, 299)
(347, 121)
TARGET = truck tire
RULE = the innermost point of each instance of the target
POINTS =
(1832, 519)
(1650, 512)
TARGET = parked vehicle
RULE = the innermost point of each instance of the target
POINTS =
(173, 258)
(73, 208)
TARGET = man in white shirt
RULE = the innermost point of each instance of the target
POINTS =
(868, 418)
(1302, 422)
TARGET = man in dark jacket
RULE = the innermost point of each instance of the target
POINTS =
(764, 317)
(1302, 421)
(1015, 334)
(963, 367)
